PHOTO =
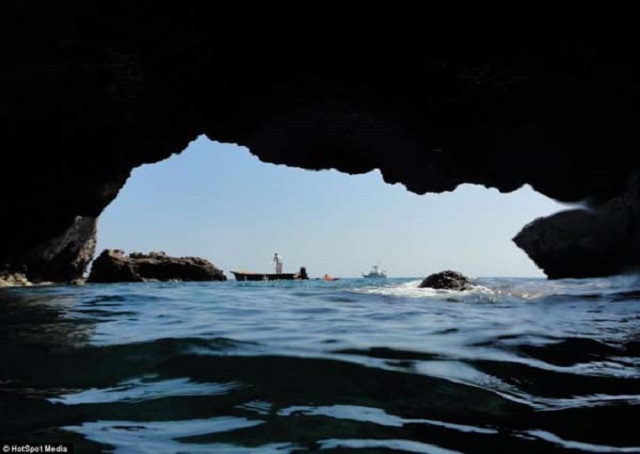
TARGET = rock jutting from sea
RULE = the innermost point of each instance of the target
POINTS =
(14, 280)
(583, 242)
(113, 265)
(446, 280)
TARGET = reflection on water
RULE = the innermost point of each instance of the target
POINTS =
(512, 365)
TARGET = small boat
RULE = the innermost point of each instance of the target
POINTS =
(375, 272)
(249, 276)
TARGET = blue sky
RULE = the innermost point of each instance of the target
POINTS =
(219, 202)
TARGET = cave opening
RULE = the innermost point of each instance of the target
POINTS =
(219, 202)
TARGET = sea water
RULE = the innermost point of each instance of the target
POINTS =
(353, 365)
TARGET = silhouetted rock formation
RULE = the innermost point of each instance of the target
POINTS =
(446, 280)
(114, 266)
(447, 98)
(65, 257)
(587, 243)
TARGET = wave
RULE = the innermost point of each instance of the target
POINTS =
(514, 365)
(412, 290)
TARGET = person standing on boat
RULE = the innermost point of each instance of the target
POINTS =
(278, 261)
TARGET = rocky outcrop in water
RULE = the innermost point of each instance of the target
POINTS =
(446, 280)
(14, 280)
(499, 101)
(114, 266)
(587, 243)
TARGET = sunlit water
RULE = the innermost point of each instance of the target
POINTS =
(354, 365)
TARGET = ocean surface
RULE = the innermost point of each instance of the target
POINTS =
(354, 365)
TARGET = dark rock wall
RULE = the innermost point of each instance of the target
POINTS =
(65, 256)
(588, 243)
(90, 91)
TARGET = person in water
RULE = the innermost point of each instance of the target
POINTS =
(278, 261)
(302, 274)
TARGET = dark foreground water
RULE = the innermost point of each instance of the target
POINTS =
(347, 366)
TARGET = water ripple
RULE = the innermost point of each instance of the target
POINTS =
(512, 365)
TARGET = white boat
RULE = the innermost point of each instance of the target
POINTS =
(375, 272)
